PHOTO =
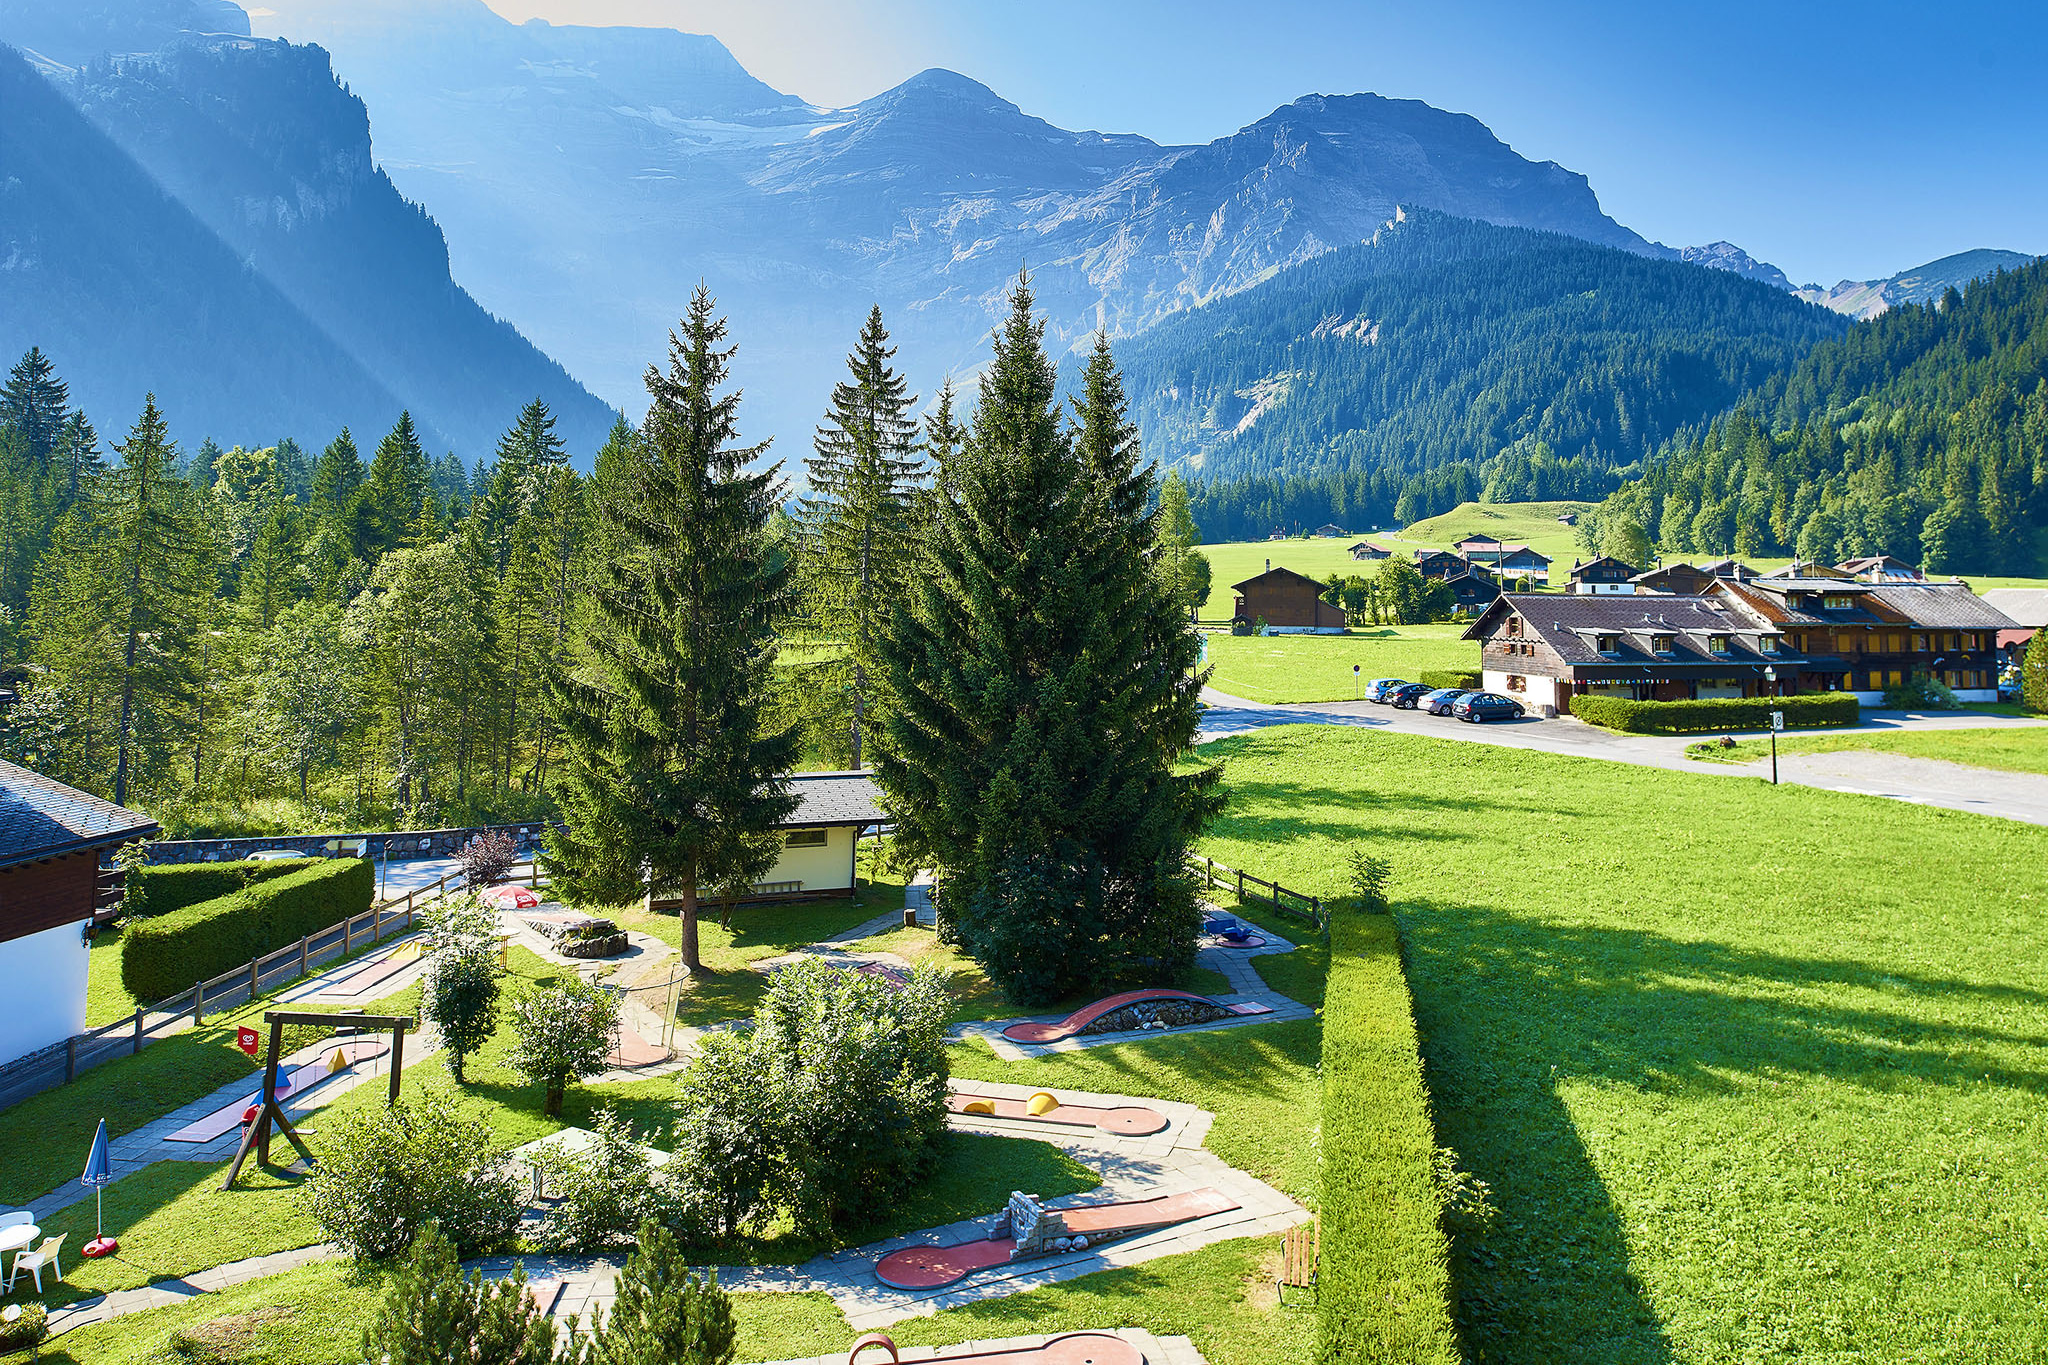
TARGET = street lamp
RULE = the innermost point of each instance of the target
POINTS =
(1771, 677)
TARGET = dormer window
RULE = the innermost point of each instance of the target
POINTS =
(1767, 644)
(1607, 644)
(1838, 601)
(1717, 644)
(1661, 643)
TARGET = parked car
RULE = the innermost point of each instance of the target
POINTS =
(1378, 688)
(264, 855)
(1406, 696)
(1438, 703)
(1483, 706)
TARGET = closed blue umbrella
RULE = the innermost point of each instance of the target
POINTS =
(99, 1173)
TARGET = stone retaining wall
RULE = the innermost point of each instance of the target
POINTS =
(400, 844)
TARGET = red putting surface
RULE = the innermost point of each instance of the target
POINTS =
(633, 1050)
(1125, 1120)
(1088, 1014)
(935, 1267)
(372, 974)
(293, 1077)
(1075, 1348)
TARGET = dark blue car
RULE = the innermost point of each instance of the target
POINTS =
(1407, 695)
(1483, 706)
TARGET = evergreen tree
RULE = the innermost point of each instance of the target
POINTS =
(78, 460)
(33, 403)
(664, 1314)
(432, 1313)
(159, 576)
(856, 529)
(337, 475)
(674, 768)
(1046, 689)
(1187, 572)
(398, 484)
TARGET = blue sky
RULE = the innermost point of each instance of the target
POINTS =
(1834, 140)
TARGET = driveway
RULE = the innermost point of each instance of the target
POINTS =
(1928, 782)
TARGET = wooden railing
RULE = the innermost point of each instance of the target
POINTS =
(1250, 888)
(237, 986)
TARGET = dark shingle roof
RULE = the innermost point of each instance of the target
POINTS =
(1941, 606)
(849, 798)
(1568, 622)
(41, 817)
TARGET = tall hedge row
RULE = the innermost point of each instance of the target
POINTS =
(165, 954)
(1449, 677)
(1384, 1292)
(1811, 710)
(165, 889)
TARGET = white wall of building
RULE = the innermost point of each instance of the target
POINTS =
(1538, 690)
(1604, 589)
(44, 997)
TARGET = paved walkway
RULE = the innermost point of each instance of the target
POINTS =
(1246, 987)
(2012, 796)
(1155, 1350)
(1169, 1162)
(121, 1302)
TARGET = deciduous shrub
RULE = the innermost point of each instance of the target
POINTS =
(836, 1093)
(1448, 677)
(1809, 711)
(385, 1173)
(1921, 693)
(603, 1193)
(432, 1313)
(166, 953)
(486, 858)
(563, 1032)
(459, 996)
(23, 1327)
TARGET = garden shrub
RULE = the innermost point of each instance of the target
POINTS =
(386, 1172)
(1384, 1291)
(1449, 677)
(173, 887)
(664, 1314)
(459, 996)
(1808, 711)
(603, 1193)
(27, 1329)
(563, 1031)
(432, 1313)
(1920, 693)
(167, 953)
(486, 858)
(835, 1097)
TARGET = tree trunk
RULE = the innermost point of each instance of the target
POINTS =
(552, 1107)
(693, 962)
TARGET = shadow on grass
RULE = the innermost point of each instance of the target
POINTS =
(1509, 1009)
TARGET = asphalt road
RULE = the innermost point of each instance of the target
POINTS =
(1930, 782)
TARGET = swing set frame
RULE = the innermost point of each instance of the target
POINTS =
(256, 1134)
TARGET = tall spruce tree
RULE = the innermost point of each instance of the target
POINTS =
(1044, 689)
(33, 403)
(856, 532)
(674, 768)
(399, 483)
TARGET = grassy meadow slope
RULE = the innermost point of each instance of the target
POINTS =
(1752, 1077)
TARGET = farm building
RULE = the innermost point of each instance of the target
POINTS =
(1287, 602)
(1603, 577)
(51, 840)
(1677, 580)
(1366, 549)
(2028, 608)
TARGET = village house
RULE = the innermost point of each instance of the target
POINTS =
(1288, 602)
(1366, 549)
(1519, 561)
(1328, 529)
(1731, 569)
(1440, 563)
(1603, 577)
(52, 838)
(1677, 580)
(1474, 590)
(1866, 637)
(1882, 569)
(2028, 610)
(820, 838)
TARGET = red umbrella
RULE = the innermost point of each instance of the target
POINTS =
(509, 897)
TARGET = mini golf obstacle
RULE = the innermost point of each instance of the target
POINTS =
(376, 971)
(1127, 1120)
(1231, 931)
(269, 1111)
(1074, 1348)
(1134, 1010)
(1027, 1228)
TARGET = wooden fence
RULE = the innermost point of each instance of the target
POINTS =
(1249, 888)
(237, 986)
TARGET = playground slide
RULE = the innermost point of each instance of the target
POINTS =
(294, 1077)
(933, 1267)
(1088, 1014)
(1075, 1348)
(1127, 1120)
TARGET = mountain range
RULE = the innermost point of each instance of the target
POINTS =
(1865, 299)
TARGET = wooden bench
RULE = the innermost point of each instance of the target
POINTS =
(1299, 1250)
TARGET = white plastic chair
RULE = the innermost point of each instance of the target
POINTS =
(15, 1218)
(34, 1261)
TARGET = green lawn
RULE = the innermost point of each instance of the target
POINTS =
(2011, 749)
(1289, 668)
(1754, 1073)
(1534, 524)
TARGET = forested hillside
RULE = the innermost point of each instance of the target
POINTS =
(1446, 360)
(1922, 434)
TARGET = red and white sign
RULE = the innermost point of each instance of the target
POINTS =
(246, 1039)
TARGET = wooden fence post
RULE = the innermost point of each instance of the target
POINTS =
(71, 1059)
(347, 944)
(254, 982)
(198, 1003)
(303, 943)
(138, 1032)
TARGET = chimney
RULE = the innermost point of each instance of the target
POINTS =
(1269, 566)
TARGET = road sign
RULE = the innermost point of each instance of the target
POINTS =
(1777, 720)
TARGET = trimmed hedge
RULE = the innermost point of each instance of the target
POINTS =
(1810, 711)
(165, 889)
(1385, 1285)
(164, 954)
(1448, 677)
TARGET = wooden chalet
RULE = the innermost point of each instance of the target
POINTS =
(1366, 549)
(1732, 569)
(1676, 580)
(1440, 563)
(1329, 529)
(1286, 601)
(1474, 589)
(1861, 637)
(1603, 577)
(52, 838)
(1519, 561)
(1882, 569)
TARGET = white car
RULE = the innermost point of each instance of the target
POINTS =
(265, 855)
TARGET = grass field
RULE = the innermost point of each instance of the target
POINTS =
(1534, 524)
(2011, 749)
(1751, 1074)
(1285, 668)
